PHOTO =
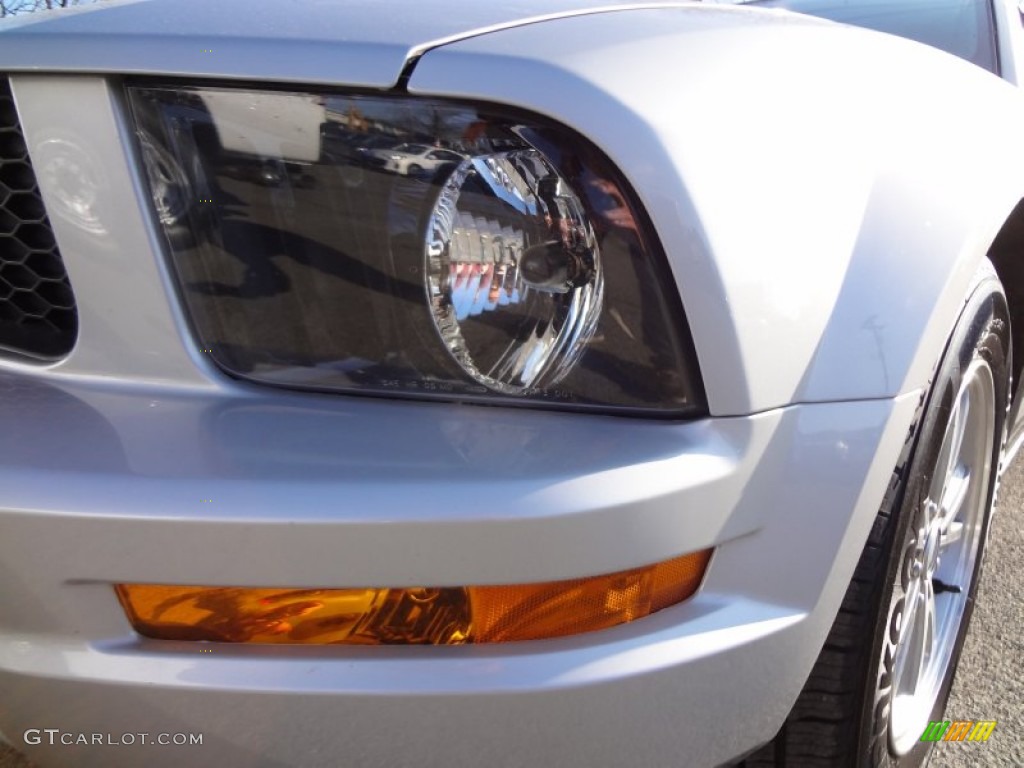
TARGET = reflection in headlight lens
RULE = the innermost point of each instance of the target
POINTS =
(513, 271)
(410, 247)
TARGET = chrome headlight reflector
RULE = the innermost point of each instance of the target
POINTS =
(508, 236)
(411, 247)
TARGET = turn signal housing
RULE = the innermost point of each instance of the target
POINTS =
(410, 615)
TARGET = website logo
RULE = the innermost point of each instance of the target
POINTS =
(958, 730)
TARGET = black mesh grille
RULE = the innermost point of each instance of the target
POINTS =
(37, 308)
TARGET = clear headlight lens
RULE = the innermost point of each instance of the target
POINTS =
(405, 246)
(509, 244)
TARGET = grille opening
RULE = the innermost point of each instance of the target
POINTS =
(38, 318)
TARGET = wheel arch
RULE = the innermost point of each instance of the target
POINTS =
(1007, 256)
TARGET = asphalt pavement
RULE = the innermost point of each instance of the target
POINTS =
(990, 681)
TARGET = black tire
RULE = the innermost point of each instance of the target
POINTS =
(843, 715)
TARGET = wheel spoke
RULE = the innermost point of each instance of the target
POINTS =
(950, 454)
(906, 643)
(953, 496)
(921, 642)
(940, 477)
(912, 644)
(960, 418)
(953, 533)
(928, 640)
(930, 510)
(928, 625)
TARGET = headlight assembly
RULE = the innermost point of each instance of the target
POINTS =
(411, 247)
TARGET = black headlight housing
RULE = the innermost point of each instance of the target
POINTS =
(403, 246)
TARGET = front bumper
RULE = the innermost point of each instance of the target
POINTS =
(104, 485)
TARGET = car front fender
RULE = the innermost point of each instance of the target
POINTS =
(823, 193)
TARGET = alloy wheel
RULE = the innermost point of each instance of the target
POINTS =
(939, 562)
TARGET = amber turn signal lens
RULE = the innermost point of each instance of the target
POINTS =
(417, 615)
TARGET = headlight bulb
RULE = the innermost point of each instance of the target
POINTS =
(513, 271)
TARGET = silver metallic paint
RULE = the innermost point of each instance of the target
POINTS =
(122, 498)
(311, 490)
(354, 42)
(844, 229)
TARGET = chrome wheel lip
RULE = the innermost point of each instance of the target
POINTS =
(941, 556)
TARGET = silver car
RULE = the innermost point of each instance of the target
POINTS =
(659, 425)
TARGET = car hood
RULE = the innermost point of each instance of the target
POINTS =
(356, 42)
